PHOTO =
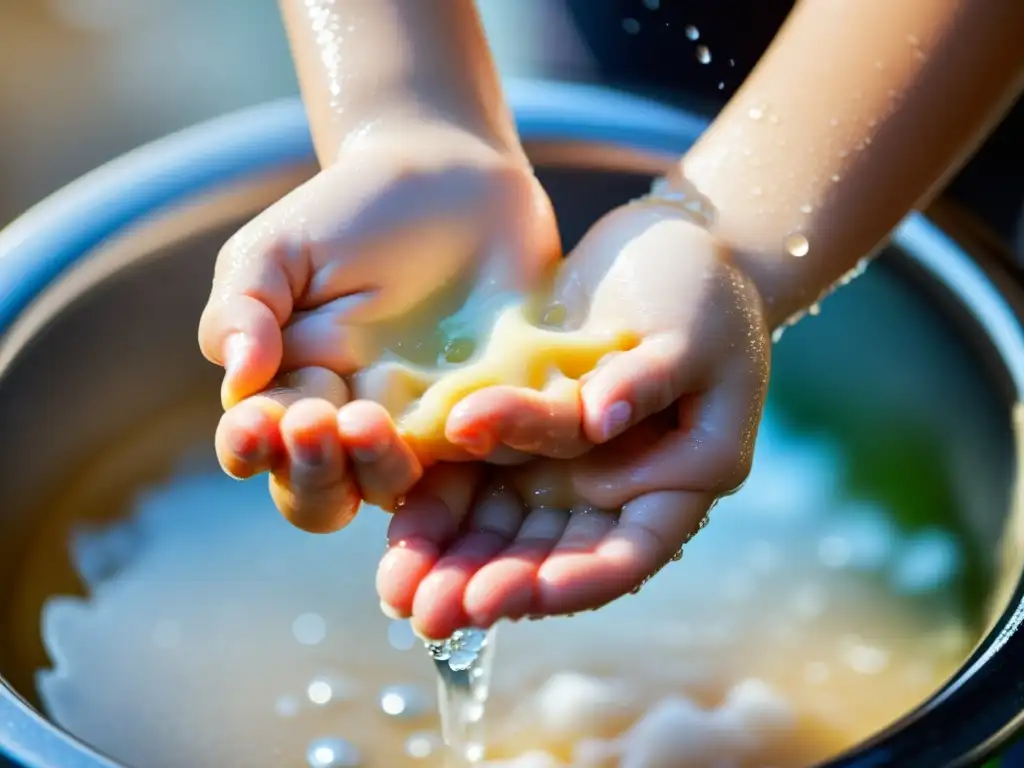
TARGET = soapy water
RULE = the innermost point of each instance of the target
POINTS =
(211, 632)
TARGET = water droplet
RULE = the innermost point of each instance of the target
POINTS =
(732, 62)
(836, 177)
(703, 54)
(630, 26)
(332, 752)
(692, 33)
(458, 350)
(309, 629)
(814, 310)
(320, 692)
(721, 85)
(797, 245)
(756, 112)
(806, 208)
(422, 745)
(914, 40)
(403, 701)
(678, 555)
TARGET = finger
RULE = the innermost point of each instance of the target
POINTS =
(713, 452)
(438, 605)
(248, 439)
(385, 468)
(541, 423)
(636, 384)
(650, 530)
(323, 337)
(254, 288)
(313, 488)
(506, 587)
(421, 530)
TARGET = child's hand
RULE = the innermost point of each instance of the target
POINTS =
(645, 268)
(474, 544)
(373, 236)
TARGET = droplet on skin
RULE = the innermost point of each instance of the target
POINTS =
(630, 26)
(797, 245)
(836, 177)
(814, 310)
(756, 112)
(703, 54)
(692, 33)
(806, 208)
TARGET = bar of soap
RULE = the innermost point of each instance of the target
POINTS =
(515, 350)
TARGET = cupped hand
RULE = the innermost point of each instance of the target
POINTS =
(674, 419)
(399, 218)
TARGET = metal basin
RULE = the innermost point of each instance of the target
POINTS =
(101, 287)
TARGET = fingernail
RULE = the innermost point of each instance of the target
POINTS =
(312, 453)
(476, 442)
(236, 350)
(615, 418)
(369, 452)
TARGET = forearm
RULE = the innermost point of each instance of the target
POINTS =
(364, 64)
(857, 113)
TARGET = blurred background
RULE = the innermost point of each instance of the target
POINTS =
(82, 81)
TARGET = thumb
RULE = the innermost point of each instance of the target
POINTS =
(251, 300)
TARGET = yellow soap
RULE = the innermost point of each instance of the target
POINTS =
(517, 352)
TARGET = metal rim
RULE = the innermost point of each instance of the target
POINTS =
(969, 717)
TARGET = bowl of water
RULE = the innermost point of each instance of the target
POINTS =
(857, 603)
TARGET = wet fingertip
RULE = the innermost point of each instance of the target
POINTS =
(391, 612)
(611, 421)
(235, 353)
